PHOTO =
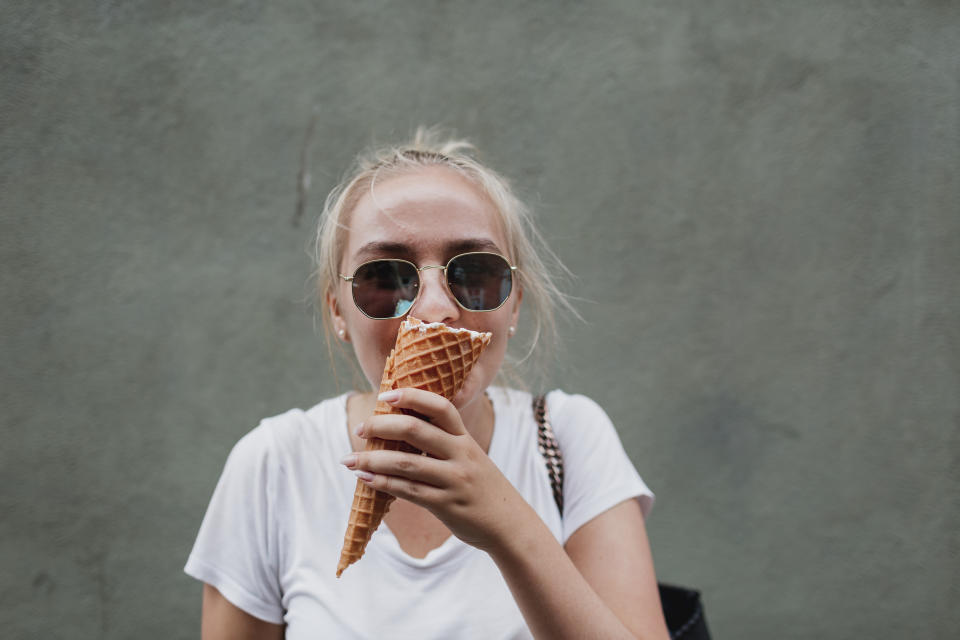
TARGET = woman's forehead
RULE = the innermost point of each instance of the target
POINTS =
(447, 247)
(432, 209)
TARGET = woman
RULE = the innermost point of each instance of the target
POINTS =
(475, 546)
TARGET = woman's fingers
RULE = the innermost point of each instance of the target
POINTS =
(400, 464)
(431, 406)
(414, 431)
(416, 492)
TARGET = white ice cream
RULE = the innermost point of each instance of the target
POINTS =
(416, 323)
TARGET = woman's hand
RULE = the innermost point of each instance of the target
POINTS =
(456, 480)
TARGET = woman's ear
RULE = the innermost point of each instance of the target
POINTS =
(339, 324)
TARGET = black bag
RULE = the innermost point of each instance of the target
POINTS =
(681, 607)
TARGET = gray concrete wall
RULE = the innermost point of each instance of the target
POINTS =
(760, 201)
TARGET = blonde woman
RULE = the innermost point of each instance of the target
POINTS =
(475, 546)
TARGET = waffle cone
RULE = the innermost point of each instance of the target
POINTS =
(433, 357)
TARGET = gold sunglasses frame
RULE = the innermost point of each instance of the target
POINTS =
(444, 267)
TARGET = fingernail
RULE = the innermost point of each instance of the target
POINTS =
(359, 429)
(349, 460)
(389, 396)
(366, 476)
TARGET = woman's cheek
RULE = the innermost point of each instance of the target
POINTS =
(372, 362)
(472, 388)
(372, 352)
(482, 375)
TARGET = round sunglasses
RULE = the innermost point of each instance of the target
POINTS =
(385, 289)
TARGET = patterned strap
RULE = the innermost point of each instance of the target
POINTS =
(549, 449)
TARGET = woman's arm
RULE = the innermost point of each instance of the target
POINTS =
(222, 620)
(613, 555)
(602, 586)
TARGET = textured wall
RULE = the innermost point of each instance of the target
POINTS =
(760, 201)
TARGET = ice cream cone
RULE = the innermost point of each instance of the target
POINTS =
(433, 357)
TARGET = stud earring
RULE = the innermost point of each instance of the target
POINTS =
(342, 334)
(511, 331)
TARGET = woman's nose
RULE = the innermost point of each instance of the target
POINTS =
(435, 302)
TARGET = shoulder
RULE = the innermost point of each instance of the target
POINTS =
(563, 408)
(572, 403)
(521, 400)
(573, 415)
(598, 473)
(512, 401)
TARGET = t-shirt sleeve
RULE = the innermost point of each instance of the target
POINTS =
(236, 549)
(598, 475)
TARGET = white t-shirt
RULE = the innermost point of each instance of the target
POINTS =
(271, 537)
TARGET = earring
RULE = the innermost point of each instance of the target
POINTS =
(342, 334)
(511, 331)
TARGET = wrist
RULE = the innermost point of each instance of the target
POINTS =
(520, 532)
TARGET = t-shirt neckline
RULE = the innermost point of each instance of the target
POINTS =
(385, 543)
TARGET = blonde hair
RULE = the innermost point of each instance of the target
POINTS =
(537, 264)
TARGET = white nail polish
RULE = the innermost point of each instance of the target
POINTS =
(389, 396)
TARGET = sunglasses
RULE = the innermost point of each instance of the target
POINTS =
(385, 289)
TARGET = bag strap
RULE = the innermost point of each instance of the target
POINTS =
(549, 449)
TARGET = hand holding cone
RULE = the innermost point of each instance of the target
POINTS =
(433, 357)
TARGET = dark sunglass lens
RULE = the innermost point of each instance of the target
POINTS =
(385, 288)
(480, 281)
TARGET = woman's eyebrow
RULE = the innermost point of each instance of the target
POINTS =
(380, 248)
(473, 244)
